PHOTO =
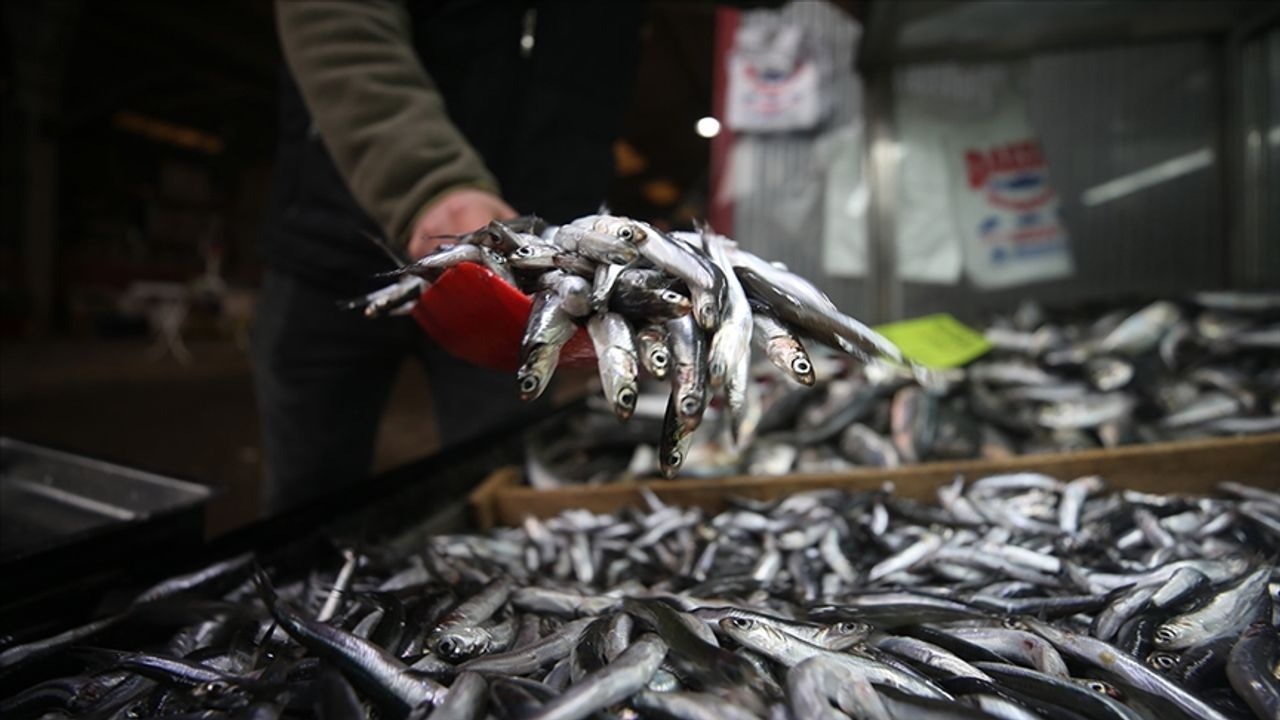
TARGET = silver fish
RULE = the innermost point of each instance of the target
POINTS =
(689, 383)
(548, 329)
(617, 361)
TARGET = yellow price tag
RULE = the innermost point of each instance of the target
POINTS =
(936, 341)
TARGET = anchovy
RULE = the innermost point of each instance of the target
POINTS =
(398, 298)
(598, 246)
(459, 634)
(652, 346)
(1111, 660)
(1226, 614)
(574, 292)
(730, 352)
(790, 651)
(523, 660)
(705, 282)
(1251, 669)
(689, 381)
(1141, 331)
(602, 285)
(781, 345)
(370, 667)
(1058, 691)
(616, 356)
(613, 683)
(549, 328)
(799, 302)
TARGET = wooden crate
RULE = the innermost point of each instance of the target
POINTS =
(1193, 466)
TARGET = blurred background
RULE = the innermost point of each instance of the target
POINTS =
(1137, 141)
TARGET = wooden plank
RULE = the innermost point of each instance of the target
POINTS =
(1188, 467)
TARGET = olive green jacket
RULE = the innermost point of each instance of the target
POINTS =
(380, 116)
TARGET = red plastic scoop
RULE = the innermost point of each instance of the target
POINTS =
(476, 316)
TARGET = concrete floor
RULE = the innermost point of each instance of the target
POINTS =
(108, 399)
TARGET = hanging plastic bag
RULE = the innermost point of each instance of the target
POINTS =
(1006, 210)
(776, 82)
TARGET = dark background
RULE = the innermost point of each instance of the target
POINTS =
(138, 140)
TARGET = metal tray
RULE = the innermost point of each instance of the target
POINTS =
(69, 524)
(48, 497)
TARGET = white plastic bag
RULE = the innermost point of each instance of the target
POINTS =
(1006, 210)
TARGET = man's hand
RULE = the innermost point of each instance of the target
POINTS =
(458, 212)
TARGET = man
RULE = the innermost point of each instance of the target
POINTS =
(407, 121)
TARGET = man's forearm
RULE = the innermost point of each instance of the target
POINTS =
(381, 117)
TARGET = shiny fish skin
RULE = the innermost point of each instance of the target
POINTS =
(768, 608)
(618, 365)
(689, 381)
(800, 302)
(705, 283)
(1113, 662)
(654, 355)
(549, 328)
(781, 345)
(1252, 666)
(1226, 614)
(613, 683)
(729, 354)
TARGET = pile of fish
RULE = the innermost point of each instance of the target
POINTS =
(1017, 597)
(685, 306)
(1166, 371)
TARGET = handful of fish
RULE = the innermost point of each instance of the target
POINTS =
(684, 306)
(1052, 383)
(1016, 596)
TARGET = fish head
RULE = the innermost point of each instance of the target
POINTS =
(659, 361)
(608, 247)
(1162, 661)
(1102, 687)
(679, 304)
(802, 369)
(624, 401)
(692, 402)
(534, 256)
(752, 633)
(674, 444)
(214, 689)
(844, 635)
(532, 378)
(1169, 633)
(461, 643)
(631, 232)
(707, 312)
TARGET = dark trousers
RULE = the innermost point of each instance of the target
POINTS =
(323, 376)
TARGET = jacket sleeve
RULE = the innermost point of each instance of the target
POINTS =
(380, 116)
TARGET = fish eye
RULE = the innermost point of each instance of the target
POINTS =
(671, 297)
(801, 366)
(741, 622)
(626, 233)
(525, 251)
(446, 647)
(659, 359)
(717, 368)
(214, 687)
(1163, 661)
(1165, 634)
(675, 458)
(627, 398)
(849, 627)
(529, 384)
(688, 406)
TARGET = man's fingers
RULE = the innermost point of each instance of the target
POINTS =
(458, 213)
